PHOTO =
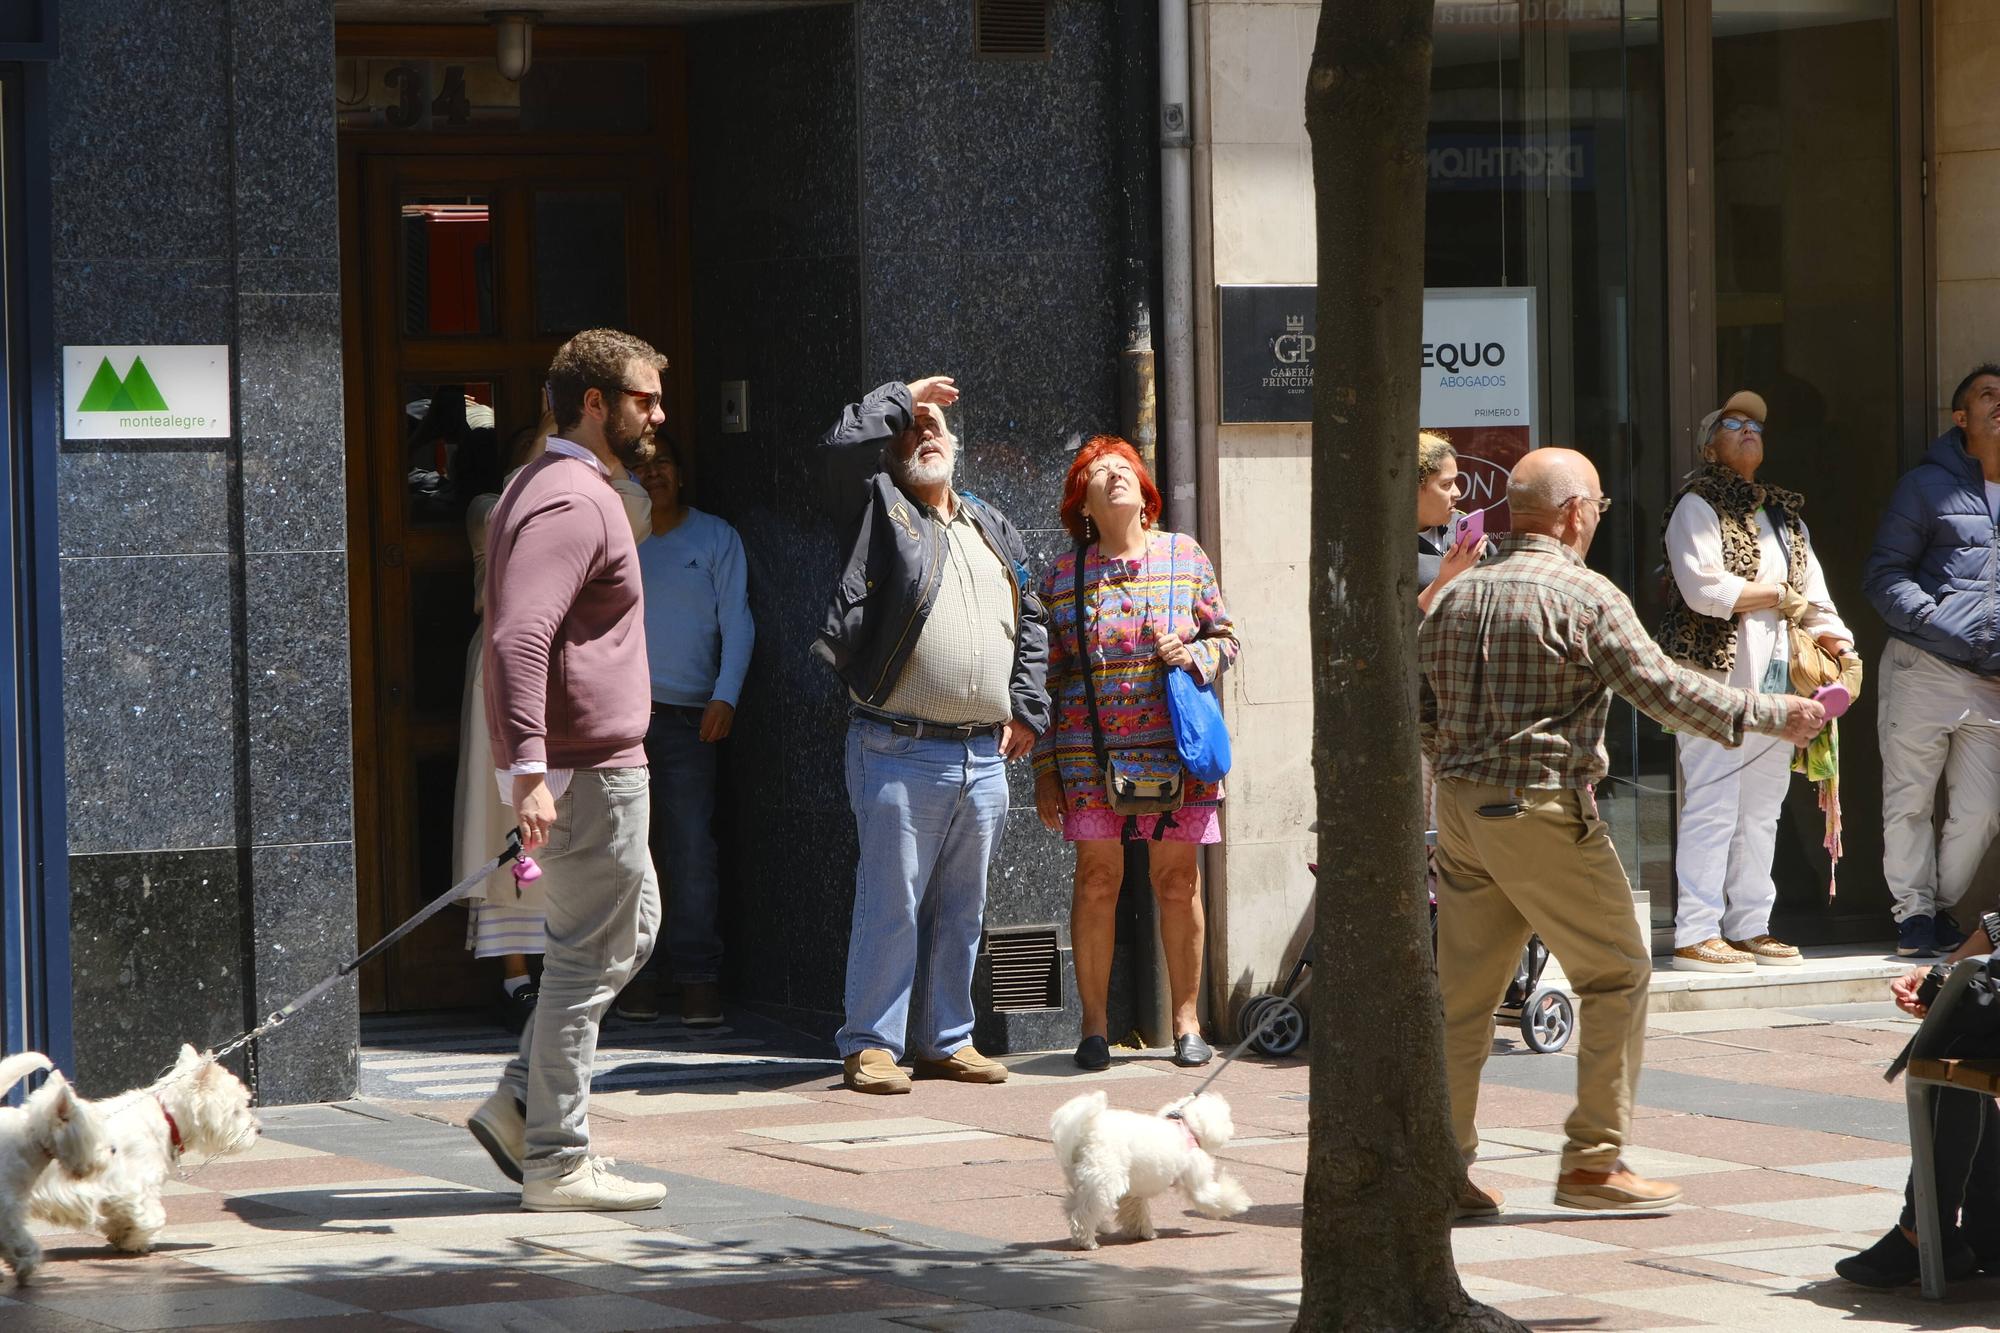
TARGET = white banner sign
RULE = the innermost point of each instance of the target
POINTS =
(1479, 358)
(146, 393)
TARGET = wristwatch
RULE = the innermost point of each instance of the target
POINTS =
(1990, 923)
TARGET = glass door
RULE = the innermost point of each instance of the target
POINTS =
(1800, 266)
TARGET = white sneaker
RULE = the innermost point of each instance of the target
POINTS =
(502, 1131)
(590, 1188)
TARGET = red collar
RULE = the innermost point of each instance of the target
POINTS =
(173, 1130)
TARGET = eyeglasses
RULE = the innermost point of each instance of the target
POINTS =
(1742, 423)
(649, 401)
(1602, 502)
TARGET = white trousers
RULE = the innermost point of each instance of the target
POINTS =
(1935, 718)
(1730, 799)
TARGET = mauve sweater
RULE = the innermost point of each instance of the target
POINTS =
(566, 677)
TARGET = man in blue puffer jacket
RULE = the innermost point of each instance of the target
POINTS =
(1934, 576)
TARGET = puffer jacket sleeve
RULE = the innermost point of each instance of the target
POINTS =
(880, 417)
(1889, 577)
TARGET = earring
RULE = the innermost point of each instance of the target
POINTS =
(1089, 528)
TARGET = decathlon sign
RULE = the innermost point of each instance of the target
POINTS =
(146, 393)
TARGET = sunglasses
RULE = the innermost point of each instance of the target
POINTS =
(1742, 423)
(649, 401)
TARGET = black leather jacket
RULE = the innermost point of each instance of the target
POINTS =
(894, 561)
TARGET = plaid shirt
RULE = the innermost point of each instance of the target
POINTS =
(1520, 656)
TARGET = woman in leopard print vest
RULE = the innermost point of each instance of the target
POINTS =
(1743, 567)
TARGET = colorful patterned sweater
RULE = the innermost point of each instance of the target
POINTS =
(1128, 604)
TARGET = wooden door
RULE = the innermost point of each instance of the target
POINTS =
(476, 268)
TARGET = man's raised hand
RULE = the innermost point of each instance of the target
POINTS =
(939, 389)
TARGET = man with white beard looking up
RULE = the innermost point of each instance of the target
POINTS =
(936, 632)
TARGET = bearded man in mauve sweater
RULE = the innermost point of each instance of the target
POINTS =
(568, 701)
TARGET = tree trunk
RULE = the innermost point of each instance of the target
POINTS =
(1382, 1170)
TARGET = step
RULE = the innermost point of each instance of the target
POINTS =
(1831, 974)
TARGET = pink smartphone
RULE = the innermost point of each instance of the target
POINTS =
(1834, 698)
(1470, 526)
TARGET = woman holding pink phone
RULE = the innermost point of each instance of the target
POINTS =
(1441, 557)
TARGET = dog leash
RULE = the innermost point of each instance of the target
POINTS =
(1244, 1045)
(279, 1017)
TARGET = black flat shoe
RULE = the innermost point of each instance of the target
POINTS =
(517, 1009)
(1190, 1051)
(1093, 1053)
(1892, 1261)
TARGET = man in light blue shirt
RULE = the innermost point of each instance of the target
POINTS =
(698, 639)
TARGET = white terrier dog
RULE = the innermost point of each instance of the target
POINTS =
(1115, 1161)
(204, 1109)
(55, 1126)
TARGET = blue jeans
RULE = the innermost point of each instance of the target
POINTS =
(929, 814)
(683, 840)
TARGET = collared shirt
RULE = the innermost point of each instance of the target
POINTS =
(962, 664)
(1520, 656)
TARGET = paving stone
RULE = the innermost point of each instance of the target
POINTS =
(600, 1312)
(1577, 1312)
(1492, 1242)
(859, 1131)
(191, 1307)
(1889, 1173)
(805, 1294)
(1844, 1212)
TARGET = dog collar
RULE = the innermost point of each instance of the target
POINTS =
(173, 1129)
(1181, 1120)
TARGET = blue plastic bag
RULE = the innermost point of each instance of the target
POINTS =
(1199, 731)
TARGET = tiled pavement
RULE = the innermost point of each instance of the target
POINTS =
(795, 1204)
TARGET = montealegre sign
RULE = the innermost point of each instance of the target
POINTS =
(146, 393)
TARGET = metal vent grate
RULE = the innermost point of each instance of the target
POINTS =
(1026, 970)
(1010, 29)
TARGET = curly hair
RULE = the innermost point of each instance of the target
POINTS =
(1078, 482)
(593, 359)
(1433, 448)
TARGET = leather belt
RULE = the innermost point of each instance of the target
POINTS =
(928, 731)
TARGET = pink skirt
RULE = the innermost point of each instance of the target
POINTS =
(1194, 823)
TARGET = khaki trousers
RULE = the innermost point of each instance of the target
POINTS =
(1549, 870)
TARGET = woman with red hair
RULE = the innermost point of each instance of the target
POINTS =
(1150, 605)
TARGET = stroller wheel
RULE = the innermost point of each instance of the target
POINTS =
(1284, 1031)
(1252, 1013)
(1547, 1020)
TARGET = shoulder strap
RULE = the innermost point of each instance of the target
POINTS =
(1083, 656)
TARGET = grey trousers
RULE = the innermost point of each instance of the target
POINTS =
(604, 914)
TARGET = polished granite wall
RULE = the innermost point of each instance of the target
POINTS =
(204, 586)
(872, 203)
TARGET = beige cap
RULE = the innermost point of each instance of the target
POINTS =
(1743, 402)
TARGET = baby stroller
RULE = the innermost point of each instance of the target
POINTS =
(1544, 1013)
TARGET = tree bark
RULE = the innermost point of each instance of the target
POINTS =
(1382, 1170)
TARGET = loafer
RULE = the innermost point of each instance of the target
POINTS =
(701, 1004)
(590, 1187)
(964, 1065)
(1616, 1189)
(518, 1009)
(1476, 1200)
(1769, 951)
(874, 1071)
(1190, 1051)
(501, 1127)
(1892, 1262)
(1093, 1053)
(1713, 956)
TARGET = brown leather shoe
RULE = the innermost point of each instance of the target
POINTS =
(701, 1004)
(1475, 1200)
(874, 1070)
(1617, 1188)
(963, 1065)
(1769, 951)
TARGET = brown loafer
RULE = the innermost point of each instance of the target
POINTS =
(1475, 1200)
(874, 1070)
(1617, 1188)
(1769, 951)
(963, 1065)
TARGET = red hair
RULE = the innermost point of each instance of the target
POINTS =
(1078, 482)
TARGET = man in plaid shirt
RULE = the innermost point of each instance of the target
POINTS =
(1519, 658)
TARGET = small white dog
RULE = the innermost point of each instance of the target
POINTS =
(56, 1125)
(204, 1109)
(1115, 1161)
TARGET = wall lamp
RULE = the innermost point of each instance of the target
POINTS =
(516, 40)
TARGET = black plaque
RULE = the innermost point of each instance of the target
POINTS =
(1268, 335)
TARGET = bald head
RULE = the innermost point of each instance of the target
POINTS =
(1543, 483)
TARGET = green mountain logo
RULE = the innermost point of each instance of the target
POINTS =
(134, 393)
